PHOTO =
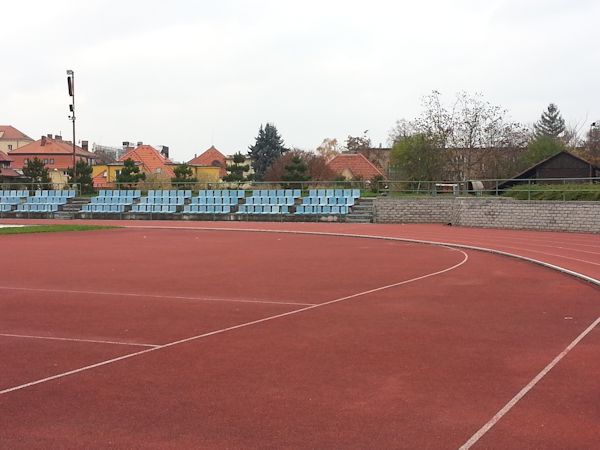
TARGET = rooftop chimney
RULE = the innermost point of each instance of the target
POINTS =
(57, 137)
(49, 135)
(140, 143)
(43, 140)
(84, 145)
(164, 151)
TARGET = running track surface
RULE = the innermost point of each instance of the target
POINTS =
(223, 339)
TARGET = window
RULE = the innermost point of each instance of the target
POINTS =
(52, 161)
(9, 147)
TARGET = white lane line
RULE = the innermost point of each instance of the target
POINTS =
(165, 297)
(388, 238)
(53, 338)
(235, 327)
(484, 429)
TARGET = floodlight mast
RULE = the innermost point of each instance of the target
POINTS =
(71, 87)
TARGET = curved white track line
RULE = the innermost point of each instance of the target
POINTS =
(236, 327)
(388, 238)
(93, 341)
(167, 297)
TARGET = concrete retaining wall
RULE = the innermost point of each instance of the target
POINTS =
(492, 213)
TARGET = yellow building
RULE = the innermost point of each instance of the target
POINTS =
(105, 175)
(12, 139)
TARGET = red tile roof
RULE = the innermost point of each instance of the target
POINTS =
(9, 173)
(356, 164)
(5, 158)
(150, 160)
(8, 132)
(211, 157)
(48, 146)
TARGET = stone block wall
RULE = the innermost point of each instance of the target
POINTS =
(492, 213)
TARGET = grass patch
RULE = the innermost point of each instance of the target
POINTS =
(51, 228)
(572, 192)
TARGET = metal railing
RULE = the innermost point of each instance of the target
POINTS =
(33, 187)
(522, 189)
(145, 186)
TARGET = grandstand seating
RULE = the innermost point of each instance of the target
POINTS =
(260, 201)
(270, 201)
(112, 201)
(162, 201)
(153, 208)
(211, 201)
(37, 207)
(14, 193)
(46, 201)
(55, 193)
(328, 201)
(11, 198)
(206, 209)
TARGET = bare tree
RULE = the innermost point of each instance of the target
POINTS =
(466, 127)
(328, 149)
(356, 143)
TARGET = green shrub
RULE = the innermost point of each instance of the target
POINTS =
(573, 192)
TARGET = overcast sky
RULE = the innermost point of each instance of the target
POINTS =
(189, 74)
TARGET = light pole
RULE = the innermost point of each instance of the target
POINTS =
(71, 86)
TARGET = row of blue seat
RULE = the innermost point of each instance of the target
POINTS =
(48, 200)
(14, 193)
(5, 207)
(320, 209)
(37, 207)
(288, 201)
(170, 193)
(162, 200)
(215, 200)
(113, 200)
(103, 208)
(294, 193)
(10, 200)
(347, 201)
(154, 208)
(120, 193)
(55, 193)
(353, 193)
(206, 209)
(236, 193)
(263, 209)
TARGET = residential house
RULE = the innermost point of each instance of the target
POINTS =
(55, 153)
(7, 173)
(354, 166)
(213, 158)
(12, 139)
(154, 163)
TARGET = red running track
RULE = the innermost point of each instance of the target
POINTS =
(579, 252)
(317, 342)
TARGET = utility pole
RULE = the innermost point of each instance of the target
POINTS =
(71, 86)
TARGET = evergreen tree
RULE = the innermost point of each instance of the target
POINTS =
(83, 177)
(37, 173)
(130, 174)
(296, 170)
(237, 169)
(184, 176)
(551, 124)
(268, 147)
